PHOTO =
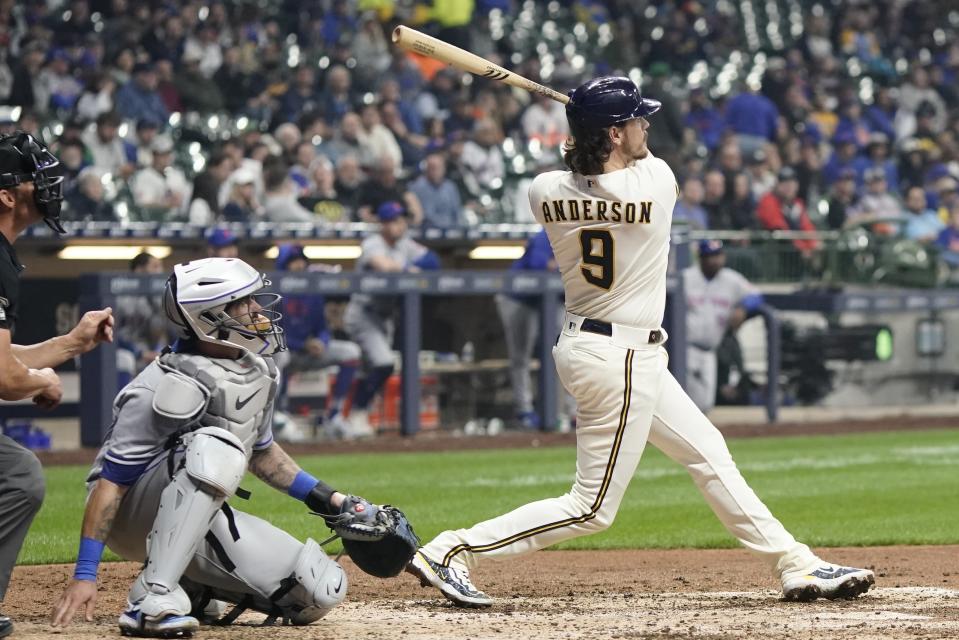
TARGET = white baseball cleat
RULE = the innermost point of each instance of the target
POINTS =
(359, 425)
(133, 623)
(455, 584)
(829, 581)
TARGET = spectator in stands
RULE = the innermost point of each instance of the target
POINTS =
(141, 325)
(918, 99)
(371, 50)
(106, 147)
(139, 149)
(302, 95)
(877, 155)
(160, 191)
(233, 81)
(63, 88)
(196, 91)
(204, 208)
(85, 202)
(877, 201)
(204, 46)
(545, 121)
(350, 184)
(348, 140)
(28, 90)
(138, 99)
(242, 204)
(369, 319)
(438, 196)
(761, 178)
(301, 173)
(338, 98)
(166, 86)
(482, 154)
(844, 157)
(312, 347)
(384, 186)
(279, 201)
(668, 135)
(753, 118)
(689, 209)
(924, 224)
(377, 139)
(946, 194)
(222, 243)
(323, 200)
(782, 209)
(948, 240)
(72, 162)
(704, 119)
(842, 201)
(97, 97)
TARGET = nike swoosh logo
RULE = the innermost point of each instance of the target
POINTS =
(242, 403)
(825, 574)
(338, 587)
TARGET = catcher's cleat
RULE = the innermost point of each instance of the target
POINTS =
(828, 581)
(455, 584)
(133, 623)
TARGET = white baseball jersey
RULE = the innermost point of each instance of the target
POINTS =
(610, 236)
(709, 303)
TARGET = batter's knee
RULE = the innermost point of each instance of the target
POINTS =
(321, 585)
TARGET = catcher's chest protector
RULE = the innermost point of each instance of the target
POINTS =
(240, 392)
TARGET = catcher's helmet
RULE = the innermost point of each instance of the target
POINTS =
(23, 158)
(198, 293)
(603, 102)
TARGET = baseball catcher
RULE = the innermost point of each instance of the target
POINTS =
(184, 433)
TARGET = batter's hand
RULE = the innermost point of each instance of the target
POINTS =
(94, 327)
(78, 594)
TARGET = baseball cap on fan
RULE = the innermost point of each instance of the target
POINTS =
(390, 211)
(220, 237)
(710, 247)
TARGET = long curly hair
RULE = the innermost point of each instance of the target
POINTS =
(587, 150)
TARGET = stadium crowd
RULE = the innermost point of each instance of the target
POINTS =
(774, 117)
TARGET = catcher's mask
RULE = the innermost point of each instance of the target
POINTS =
(199, 294)
(23, 158)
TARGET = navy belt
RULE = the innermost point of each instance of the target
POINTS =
(606, 329)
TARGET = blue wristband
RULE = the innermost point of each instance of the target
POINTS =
(88, 559)
(303, 483)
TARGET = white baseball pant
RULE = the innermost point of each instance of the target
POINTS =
(625, 396)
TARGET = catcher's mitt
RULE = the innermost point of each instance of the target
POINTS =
(379, 539)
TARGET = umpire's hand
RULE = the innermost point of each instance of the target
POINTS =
(94, 327)
(79, 595)
(50, 397)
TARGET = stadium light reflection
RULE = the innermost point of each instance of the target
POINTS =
(111, 252)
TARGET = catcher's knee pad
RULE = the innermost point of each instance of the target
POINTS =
(216, 458)
(321, 585)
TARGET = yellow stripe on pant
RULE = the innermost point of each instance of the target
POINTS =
(607, 477)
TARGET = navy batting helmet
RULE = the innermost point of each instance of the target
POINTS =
(603, 102)
(23, 158)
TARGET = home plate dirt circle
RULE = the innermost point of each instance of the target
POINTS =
(709, 594)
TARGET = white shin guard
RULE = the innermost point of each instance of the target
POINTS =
(214, 465)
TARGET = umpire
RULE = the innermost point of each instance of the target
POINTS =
(31, 190)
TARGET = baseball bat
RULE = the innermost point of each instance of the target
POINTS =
(418, 42)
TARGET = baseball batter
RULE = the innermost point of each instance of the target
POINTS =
(608, 221)
(184, 432)
(718, 299)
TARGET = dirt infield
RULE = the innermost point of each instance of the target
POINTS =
(712, 594)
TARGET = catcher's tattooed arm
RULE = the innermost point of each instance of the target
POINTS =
(98, 518)
(275, 467)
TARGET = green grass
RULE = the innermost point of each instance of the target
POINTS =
(862, 489)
